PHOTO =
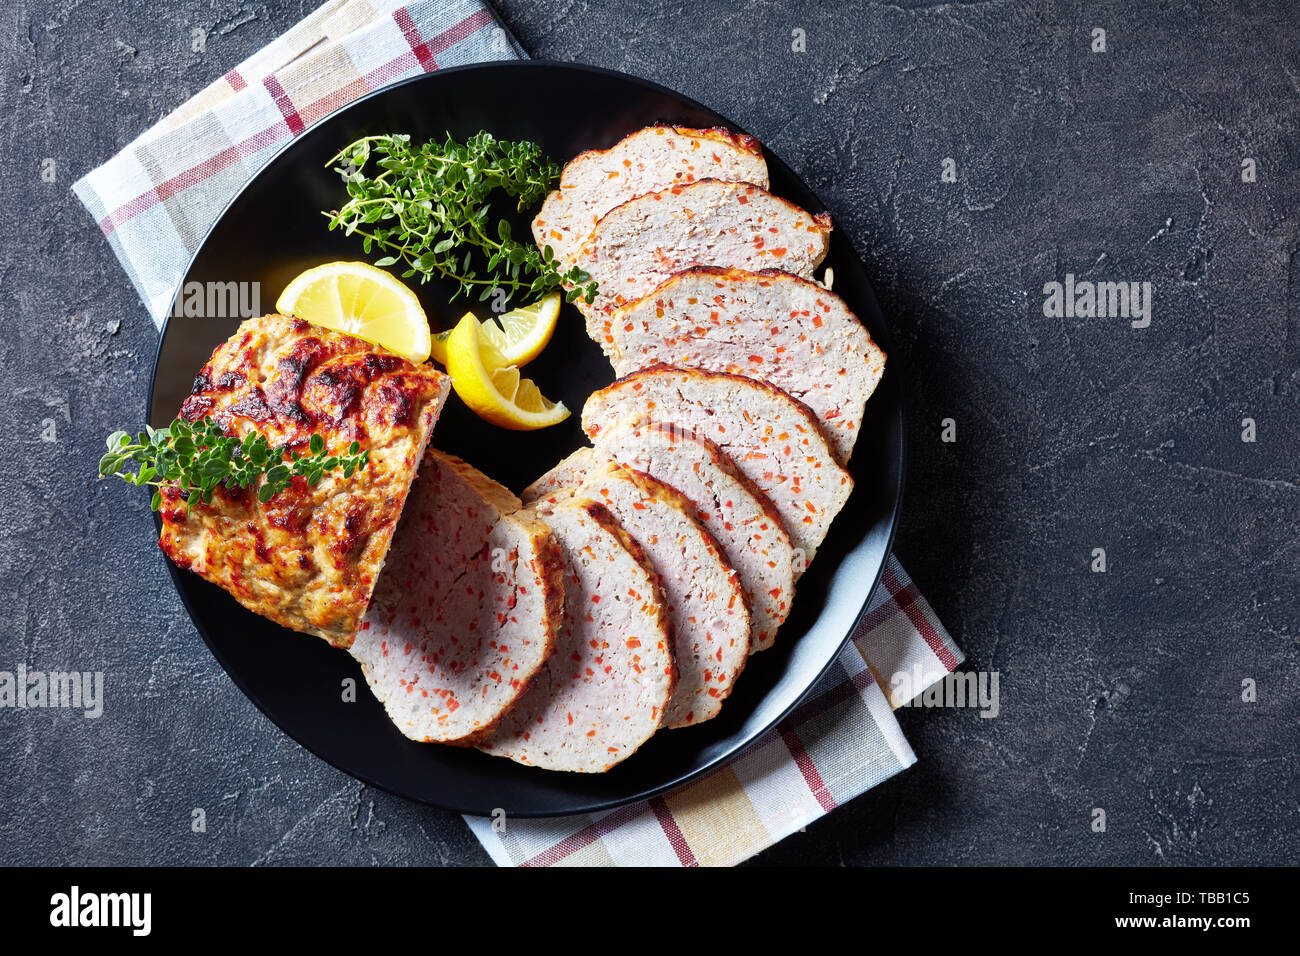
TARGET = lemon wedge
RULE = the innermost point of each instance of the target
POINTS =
(438, 344)
(491, 386)
(521, 334)
(362, 300)
(518, 336)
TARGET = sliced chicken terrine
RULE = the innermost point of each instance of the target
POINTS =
(646, 161)
(705, 603)
(740, 517)
(774, 440)
(639, 244)
(466, 613)
(768, 325)
(603, 693)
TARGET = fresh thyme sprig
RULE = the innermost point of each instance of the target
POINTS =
(428, 207)
(197, 456)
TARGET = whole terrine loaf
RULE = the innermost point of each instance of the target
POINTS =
(309, 557)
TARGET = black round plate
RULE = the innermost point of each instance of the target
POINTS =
(273, 229)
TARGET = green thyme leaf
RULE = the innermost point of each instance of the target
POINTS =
(428, 207)
(196, 457)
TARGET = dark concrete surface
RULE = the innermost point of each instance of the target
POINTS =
(1120, 691)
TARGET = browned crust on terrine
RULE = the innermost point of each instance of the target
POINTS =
(309, 558)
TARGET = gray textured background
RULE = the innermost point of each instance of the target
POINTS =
(1119, 690)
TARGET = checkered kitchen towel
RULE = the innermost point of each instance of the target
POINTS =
(155, 200)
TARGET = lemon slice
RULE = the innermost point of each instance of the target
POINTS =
(357, 298)
(491, 386)
(519, 335)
